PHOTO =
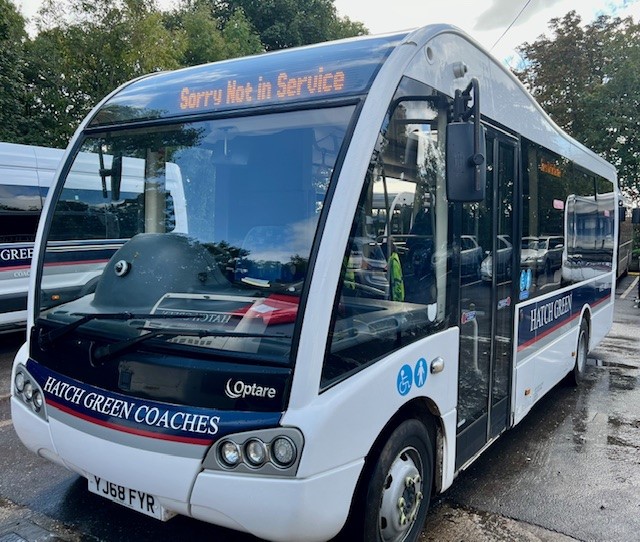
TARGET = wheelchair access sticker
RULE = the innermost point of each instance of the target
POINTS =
(408, 376)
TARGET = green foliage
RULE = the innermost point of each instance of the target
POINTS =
(12, 37)
(291, 23)
(85, 49)
(586, 77)
(209, 38)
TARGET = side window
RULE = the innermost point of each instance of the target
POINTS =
(20, 206)
(606, 224)
(581, 254)
(395, 267)
(546, 186)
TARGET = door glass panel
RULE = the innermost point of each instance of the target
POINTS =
(503, 336)
(487, 257)
(475, 303)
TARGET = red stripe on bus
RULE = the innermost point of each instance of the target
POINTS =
(130, 430)
(75, 262)
(53, 264)
(557, 327)
(15, 268)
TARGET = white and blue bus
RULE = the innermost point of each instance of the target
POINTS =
(288, 359)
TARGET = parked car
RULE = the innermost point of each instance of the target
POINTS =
(470, 257)
(542, 254)
(504, 255)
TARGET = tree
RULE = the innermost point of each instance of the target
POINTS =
(290, 23)
(586, 77)
(12, 37)
(209, 37)
(83, 51)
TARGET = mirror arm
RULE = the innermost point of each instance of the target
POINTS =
(103, 173)
(463, 112)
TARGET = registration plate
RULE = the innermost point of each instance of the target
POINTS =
(131, 498)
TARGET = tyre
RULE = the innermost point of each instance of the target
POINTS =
(582, 350)
(397, 493)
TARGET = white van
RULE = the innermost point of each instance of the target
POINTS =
(26, 173)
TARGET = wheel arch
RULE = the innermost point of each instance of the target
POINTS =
(422, 409)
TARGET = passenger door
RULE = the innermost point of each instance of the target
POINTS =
(486, 306)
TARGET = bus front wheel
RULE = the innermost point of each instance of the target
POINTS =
(399, 489)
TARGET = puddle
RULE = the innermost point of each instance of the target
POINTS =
(603, 363)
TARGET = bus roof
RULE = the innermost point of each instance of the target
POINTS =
(318, 72)
(342, 69)
(15, 155)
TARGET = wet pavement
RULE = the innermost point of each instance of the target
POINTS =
(569, 471)
(572, 466)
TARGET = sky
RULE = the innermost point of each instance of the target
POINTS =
(485, 20)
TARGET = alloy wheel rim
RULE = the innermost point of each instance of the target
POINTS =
(402, 496)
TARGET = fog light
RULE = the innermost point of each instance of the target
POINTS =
(19, 381)
(230, 453)
(283, 451)
(28, 391)
(256, 452)
(37, 400)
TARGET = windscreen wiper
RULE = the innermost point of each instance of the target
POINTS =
(103, 353)
(46, 339)
(279, 287)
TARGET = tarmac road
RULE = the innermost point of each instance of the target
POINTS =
(569, 471)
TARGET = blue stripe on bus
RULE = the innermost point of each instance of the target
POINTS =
(18, 256)
(142, 417)
(15, 256)
(546, 316)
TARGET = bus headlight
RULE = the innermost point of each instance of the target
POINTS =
(229, 453)
(38, 401)
(256, 452)
(19, 381)
(263, 452)
(28, 391)
(283, 451)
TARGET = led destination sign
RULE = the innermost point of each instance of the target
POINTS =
(263, 90)
(338, 69)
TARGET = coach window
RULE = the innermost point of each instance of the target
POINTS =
(581, 218)
(20, 207)
(606, 223)
(86, 209)
(546, 181)
(395, 268)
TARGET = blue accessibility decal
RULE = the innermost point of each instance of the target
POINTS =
(404, 380)
(420, 373)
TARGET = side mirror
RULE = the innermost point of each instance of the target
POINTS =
(466, 149)
(635, 216)
(466, 163)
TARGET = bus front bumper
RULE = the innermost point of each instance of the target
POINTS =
(274, 508)
(282, 509)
